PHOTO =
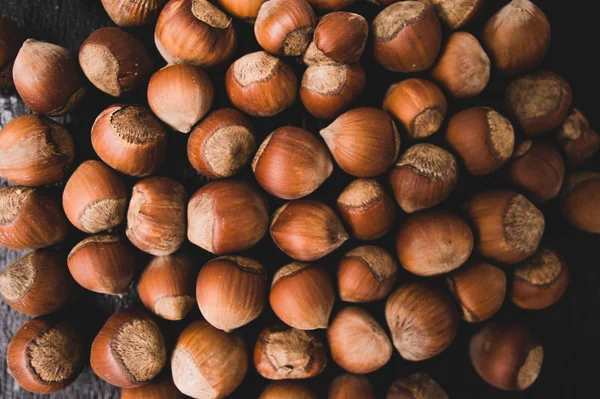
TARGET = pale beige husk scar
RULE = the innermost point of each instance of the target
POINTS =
(430, 161)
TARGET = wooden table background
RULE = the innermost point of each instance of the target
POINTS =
(569, 330)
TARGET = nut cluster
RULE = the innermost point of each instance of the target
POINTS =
(417, 203)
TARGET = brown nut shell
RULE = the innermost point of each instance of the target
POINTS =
(35, 151)
(302, 296)
(416, 386)
(457, 13)
(167, 286)
(284, 353)
(580, 199)
(103, 263)
(129, 350)
(433, 243)
(423, 177)
(541, 281)
(45, 355)
(579, 141)
(330, 5)
(133, 12)
(227, 216)
(156, 218)
(289, 390)
(30, 219)
(194, 32)
(231, 291)
(38, 283)
(418, 104)
(208, 363)
(350, 386)
(222, 144)
(243, 9)
(95, 197)
(158, 389)
(341, 37)
(422, 319)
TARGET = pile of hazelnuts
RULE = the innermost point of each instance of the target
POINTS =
(496, 230)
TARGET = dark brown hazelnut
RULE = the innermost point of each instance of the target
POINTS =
(540, 102)
(482, 138)
(506, 356)
(222, 144)
(579, 141)
(35, 151)
(508, 227)
(538, 169)
(350, 386)
(30, 219)
(156, 218)
(416, 386)
(227, 216)
(407, 36)
(423, 320)
(289, 390)
(418, 104)
(95, 198)
(541, 281)
(580, 199)
(367, 209)
(479, 288)
(283, 352)
(115, 61)
(11, 39)
(423, 177)
(433, 242)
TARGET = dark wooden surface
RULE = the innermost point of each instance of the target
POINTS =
(569, 330)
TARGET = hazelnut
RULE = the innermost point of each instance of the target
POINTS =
(166, 287)
(541, 281)
(479, 288)
(129, 350)
(423, 177)
(285, 27)
(407, 36)
(180, 95)
(208, 363)
(418, 104)
(291, 163)
(340, 37)
(115, 61)
(302, 296)
(357, 342)
(508, 227)
(538, 169)
(517, 37)
(433, 243)
(45, 355)
(129, 139)
(423, 320)
(11, 39)
(156, 218)
(330, 5)
(103, 264)
(30, 219)
(457, 13)
(222, 144)
(506, 356)
(283, 352)
(243, 9)
(194, 32)
(133, 12)
(35, 151)
(227, 216)
(221, 284)
(367, 209)
(364, 141)
(350, 386)
(158, 389)
(366, 274)
(540, 101)
(329, 90)
(415, 386)
(579, 141)
(288, 390)
(463, 67)
(55, 85)
(260, 84)
(580, 199)
(38, 283)
(482, 138)
(95, 198)
(307, 230)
